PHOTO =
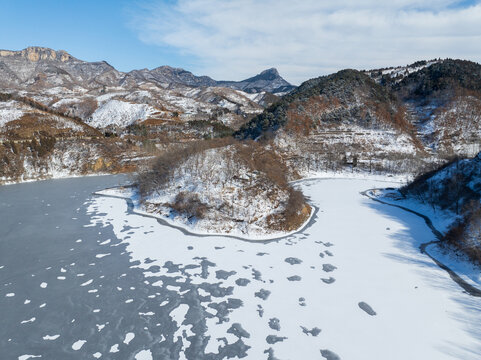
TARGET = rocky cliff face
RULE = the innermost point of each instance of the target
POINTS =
(35, 54)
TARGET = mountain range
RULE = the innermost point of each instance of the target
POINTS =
(395, 120)
(37, 67)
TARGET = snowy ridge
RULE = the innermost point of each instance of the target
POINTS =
(399, 72)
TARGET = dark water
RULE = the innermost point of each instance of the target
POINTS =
(41, 225)
(55, 289)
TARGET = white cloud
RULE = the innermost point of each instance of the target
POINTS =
(235, 39)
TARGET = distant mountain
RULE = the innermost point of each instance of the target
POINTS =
(102, 96)
(38, 67)
(268, 80)
(166, 75)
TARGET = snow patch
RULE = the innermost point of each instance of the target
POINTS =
(78, 344)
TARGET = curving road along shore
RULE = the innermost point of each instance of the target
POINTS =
(468, 288)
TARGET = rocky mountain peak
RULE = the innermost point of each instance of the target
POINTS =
(268, 80)
(37, 53)
(270, 74)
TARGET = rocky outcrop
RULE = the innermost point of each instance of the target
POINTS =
(35, 54)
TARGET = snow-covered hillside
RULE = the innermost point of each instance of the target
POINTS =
(219, 190)
(450, 196)
(119, 113)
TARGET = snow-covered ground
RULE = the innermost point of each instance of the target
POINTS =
(315, 293)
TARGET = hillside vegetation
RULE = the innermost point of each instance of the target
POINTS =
(346, 97)
(340, 122)
(445, 76)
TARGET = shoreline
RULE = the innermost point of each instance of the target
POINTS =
(311, 219)
(468, 288)
(308, 176)
(68, 176)
(187, 231)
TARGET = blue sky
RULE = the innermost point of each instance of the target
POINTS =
(235, 39)
(89, 30)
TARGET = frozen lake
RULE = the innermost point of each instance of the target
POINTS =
(82, 277)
